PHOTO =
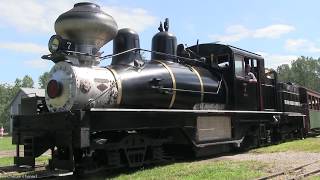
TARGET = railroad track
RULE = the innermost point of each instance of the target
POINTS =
(299, 172)
(10, 169)
(38, 172)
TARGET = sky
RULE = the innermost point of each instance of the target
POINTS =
(280, 31)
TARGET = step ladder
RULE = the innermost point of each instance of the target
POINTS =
(28, 158)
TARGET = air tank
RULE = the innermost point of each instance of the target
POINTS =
(88, 27)
(164, 42)
(125, 40)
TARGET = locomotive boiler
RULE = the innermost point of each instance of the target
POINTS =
(183, 101)
(76, 82)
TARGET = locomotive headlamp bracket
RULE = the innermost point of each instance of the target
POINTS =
(57, 44)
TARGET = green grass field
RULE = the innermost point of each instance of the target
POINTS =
(6, 143)
(201, 170)
(305, 145)
(8, 161)
(225, 169)
(314, 178)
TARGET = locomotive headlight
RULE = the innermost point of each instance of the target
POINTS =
(55, 43)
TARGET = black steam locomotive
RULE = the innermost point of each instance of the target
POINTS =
(184, 101)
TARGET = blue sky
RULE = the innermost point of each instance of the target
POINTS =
(278, 30)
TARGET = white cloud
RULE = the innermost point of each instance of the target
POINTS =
(301, 45)
(24, 47)
(238, 32)
(275, 60)
(32, 15)
(135, 18)
(294, 44)
(37, 63)
(233, 34)
(273, 31)
(39, 16)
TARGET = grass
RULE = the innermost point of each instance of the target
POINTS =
(8, 161)
(6, 144)
(314, 178)
(201, 169)
(196, 170)
(305, 145)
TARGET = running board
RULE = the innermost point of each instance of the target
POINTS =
(236, 142)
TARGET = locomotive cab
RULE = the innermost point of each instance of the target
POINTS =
(231, 62)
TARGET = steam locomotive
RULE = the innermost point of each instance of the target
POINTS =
(185, 101)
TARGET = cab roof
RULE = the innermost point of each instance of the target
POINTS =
(240, 51)
(209, 47)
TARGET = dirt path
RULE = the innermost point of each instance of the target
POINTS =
(7, 153)
(277, 162)
(280, 161)
(11, 153)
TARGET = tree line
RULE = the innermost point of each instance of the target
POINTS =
(304, 71)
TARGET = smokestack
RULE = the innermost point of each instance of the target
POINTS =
(88, 27)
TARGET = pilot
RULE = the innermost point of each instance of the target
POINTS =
(249, 76)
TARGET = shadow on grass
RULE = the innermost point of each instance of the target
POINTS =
(116, 173)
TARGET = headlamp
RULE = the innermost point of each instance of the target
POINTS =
(58, 44)
(55, 43)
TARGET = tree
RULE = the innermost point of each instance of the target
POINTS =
(43, 79)
(4, 99)
(27, 82)
(7, 93)
(284, 73)
(304, 71)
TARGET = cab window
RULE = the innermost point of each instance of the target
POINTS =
(239, 66)
(253, 64)
(223, 60)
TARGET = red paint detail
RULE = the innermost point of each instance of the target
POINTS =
(54, 88)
